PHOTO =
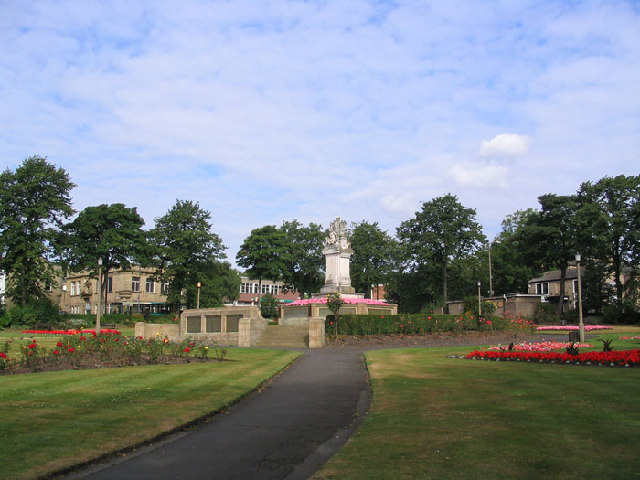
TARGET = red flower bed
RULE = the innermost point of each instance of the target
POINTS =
(71, 332)
(619, 357)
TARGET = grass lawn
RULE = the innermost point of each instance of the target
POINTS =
(439, 417)
(53, 420)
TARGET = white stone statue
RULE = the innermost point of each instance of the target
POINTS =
(337, 252)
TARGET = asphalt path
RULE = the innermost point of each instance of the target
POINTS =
(287, 431)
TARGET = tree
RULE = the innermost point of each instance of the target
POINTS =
(609, 217)
(442, 232)
(550, 236)
(219, 283)
(185, 246)
(334, 304)
(265, 254)
(512, 268)
(305, 262)
(34, 201)
(111, 233)
(374, 256)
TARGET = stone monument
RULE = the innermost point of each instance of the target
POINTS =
(337, 253)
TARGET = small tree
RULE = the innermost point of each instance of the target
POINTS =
(334, 303)
(269, 306)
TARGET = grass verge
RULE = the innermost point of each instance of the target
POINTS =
(54, 420)
(448, 418)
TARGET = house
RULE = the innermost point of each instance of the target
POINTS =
(548, 286)
(136, 290)
(249, 289)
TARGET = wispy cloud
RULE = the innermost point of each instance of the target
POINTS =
(265, 111)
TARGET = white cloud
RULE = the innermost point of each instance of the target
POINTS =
(478, 176)
(505, 145)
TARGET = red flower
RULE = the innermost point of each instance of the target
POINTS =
(56, 352)
(59, 344)
(428, 318)
(82, 338)
(187, 350)
(117, 339)
(71, 349)
(33, 345)
(3, 355)
(381, 316)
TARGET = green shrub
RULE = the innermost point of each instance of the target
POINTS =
(546, 314)
(269, 306)
(625, 313)
(404, 324)
(488, 308)
(34, 313)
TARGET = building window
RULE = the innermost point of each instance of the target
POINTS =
(150, 285)
(135, 284)
(265, 288)
(275, 289)
(245, 288)
(73, 289)
(542, 288)
(110, 285)
(165, 288)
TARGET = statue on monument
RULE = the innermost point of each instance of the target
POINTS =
(337, 238)
(337, 252)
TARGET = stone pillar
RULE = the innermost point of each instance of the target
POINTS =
(244, 332)
(316, 332)
(140, 330)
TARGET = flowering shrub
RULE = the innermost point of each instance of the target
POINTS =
(587, 328)
(540, 346)
(105, 350)
(71, 332)
(636, 337)
(621, 358)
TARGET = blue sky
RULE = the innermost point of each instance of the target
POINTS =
(308, 110)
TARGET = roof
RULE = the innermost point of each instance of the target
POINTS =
(554, 276)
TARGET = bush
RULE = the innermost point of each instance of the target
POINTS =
(405, 324)
(546, 314)
(624, 313)
(34, 313)
(269, 306)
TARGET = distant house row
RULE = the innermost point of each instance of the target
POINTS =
(137, 290)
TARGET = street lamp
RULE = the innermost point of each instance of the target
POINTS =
(479, 299)
(99, 296)
(581, 323)
(198, 297)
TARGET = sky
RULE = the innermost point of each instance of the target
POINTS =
(266, 111)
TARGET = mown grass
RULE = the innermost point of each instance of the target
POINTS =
(53, 420)
(449, 418)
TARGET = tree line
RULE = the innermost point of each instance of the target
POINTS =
(439, 254)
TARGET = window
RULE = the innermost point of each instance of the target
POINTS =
(150, 285)
(265, 288)
(275, 289)
(73, 289)
(165, 288)
(542, 288)
(135, 284)
(255, 288)
(110, 285)
(245, 288)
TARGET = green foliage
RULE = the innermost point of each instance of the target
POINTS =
(488, 308)
(442, 232)
(407, 324)
(185, 249)
(625, 313)
(264, 254)
(269, 306)
(546, 315)
(36, 312)
(219, 282)
(374, 256)
(305, 263)
(34, 201)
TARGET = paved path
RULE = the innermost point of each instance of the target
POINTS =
(286, 431)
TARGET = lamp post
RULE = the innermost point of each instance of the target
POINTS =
(479, 299)
(99, 296)
(198, 296)
(581, 323)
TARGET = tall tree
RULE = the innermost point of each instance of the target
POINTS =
(185, 246)
(34, 201)
(442, 232)
(264, 254)
(219, 282)
(374, 256)
(609, 214)
(305, 262)
(550, 236)
(110, 233)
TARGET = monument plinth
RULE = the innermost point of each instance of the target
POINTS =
(337, 253)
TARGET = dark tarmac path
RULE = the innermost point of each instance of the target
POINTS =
(287, 431)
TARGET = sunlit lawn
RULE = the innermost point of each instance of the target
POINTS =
(439, 417)
(53, 420)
